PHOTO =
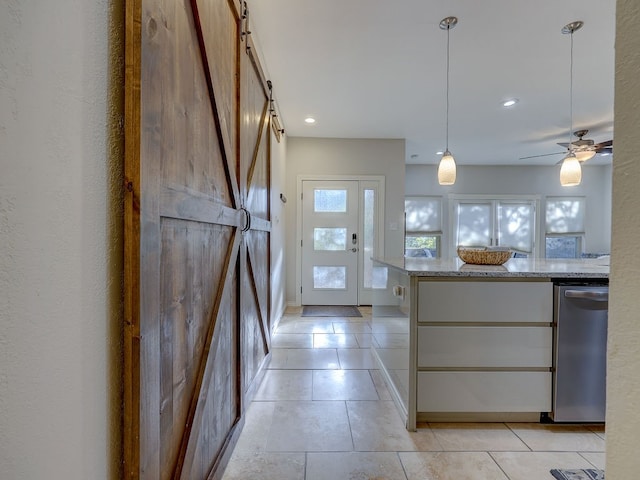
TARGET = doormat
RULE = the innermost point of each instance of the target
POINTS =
(588, 474)
(330, 311)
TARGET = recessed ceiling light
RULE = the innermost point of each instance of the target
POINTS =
(510, 103)
(310, 120)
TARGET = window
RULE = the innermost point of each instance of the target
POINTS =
(423, 226)
(506, 222)
(564, 227)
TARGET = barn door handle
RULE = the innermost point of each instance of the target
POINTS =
(247, 220)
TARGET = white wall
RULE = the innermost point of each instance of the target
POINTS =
(623, 359)
(526, 180)
(278, 227)
(60, 238)
(318, 156)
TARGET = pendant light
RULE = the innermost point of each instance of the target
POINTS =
(447, 166)
(571, 170)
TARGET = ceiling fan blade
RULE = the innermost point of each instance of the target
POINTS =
(564, 144)
(608, 150)
(543, 155)
(601, 145)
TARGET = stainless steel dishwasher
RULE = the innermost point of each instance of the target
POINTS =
(580, 352)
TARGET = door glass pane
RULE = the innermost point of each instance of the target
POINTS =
(516, 226)
(380, 276)
(329, 239)
(330, 201)
(368, 235)
(334, 278)
(474, 224)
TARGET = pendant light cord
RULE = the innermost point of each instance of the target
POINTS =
(447, 129)
(571, 95)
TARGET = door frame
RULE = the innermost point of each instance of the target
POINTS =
(380, 211)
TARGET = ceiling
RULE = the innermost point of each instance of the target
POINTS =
(377, 69)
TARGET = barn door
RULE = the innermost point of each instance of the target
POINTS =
(255, 193)
(196, 235)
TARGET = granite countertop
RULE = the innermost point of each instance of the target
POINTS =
(514, 267)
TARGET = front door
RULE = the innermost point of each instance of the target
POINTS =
(330, 242)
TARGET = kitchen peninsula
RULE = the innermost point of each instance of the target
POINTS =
(461, 342)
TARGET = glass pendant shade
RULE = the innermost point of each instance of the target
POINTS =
(586, 154)
(570, 172)
(447, 169)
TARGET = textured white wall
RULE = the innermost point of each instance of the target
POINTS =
(335, 156)
(623, 379)
(527, 180)
(278, 226)
(60, 238)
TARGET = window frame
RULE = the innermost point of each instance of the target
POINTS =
(432, 233)
(495, 201)
(578, 234)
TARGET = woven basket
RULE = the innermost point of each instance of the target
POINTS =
(482, 256)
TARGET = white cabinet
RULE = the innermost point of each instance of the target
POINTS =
(483, 346)
(484, 392)
(487, 346)
(485, 301)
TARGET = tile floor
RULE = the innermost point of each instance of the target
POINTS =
(323, 413)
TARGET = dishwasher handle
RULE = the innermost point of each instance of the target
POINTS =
(593, 295)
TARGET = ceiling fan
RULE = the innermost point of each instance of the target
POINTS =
(584, 148)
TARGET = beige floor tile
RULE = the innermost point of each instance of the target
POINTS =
(352, 327)
(378, 427)
(598, 430)
(356, 358)
(285, 385)
(253, 438)
(292, 340)
(558, 438)
(354, 466)
(309, 427)
(597, 459)
(393, 340)
(343, 385)
(536, 465)
(334, 340)
(390, 325)
(451, 466)
(304, 359)
(381, 385)
(318, 325)
(271, 466)
(364, 339)
(476, 437)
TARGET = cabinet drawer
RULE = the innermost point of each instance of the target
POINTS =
(484, 346)
(484, 392)
(485, 301)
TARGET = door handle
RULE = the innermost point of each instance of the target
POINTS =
(354, 249)
(595, 295)
(354, 238)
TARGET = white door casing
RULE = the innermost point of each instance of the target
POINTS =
(369, 229)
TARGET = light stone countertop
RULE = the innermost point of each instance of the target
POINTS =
(513, 268)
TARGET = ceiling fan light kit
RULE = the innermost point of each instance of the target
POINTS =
(447, 166)
(571, 171)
